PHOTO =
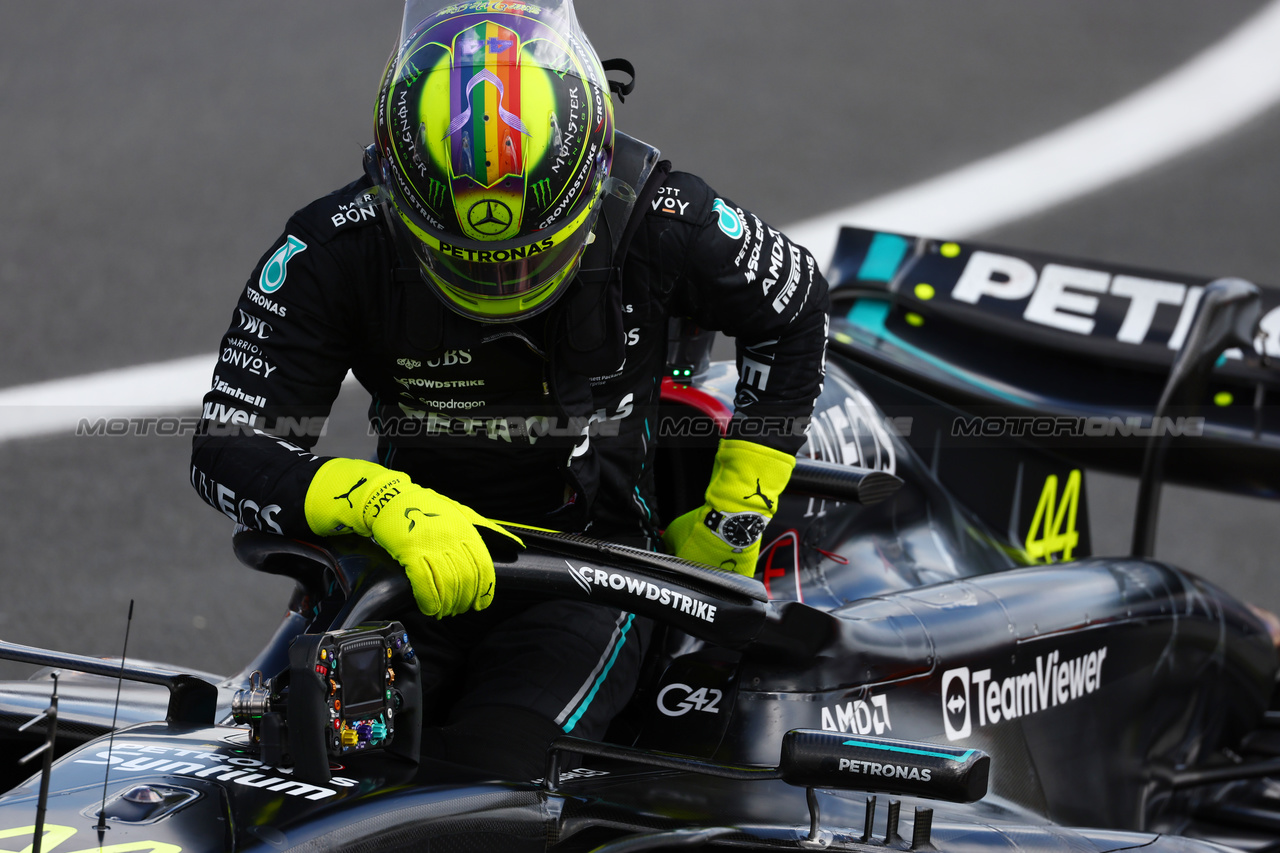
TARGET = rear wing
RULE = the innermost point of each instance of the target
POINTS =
(1069, 355)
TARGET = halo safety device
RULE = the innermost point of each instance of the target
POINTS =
(493, 139)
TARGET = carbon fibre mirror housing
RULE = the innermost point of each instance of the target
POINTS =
(819, 759)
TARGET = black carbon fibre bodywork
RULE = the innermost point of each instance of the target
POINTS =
(1123, 703)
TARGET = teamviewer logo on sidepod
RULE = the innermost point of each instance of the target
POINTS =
(955, 703)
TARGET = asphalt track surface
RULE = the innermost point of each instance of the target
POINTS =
(149, 153)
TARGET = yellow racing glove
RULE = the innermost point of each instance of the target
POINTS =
(724, 532)
(432, 536)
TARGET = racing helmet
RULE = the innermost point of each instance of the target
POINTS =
(493, 141)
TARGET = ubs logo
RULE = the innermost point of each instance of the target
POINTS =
(955, 703)
(489, 217)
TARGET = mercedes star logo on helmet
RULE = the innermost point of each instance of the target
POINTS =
(489, 217)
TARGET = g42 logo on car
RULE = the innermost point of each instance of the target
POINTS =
(676, 700)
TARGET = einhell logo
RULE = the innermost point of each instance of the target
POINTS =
(1051, 683)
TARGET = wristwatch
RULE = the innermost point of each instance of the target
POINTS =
(740, 530)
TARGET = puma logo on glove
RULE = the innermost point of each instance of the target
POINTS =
(447, 563)
(725, 532)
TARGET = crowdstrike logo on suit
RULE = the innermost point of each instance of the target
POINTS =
(1051, 683)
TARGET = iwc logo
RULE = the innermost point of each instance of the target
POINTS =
(489, 217)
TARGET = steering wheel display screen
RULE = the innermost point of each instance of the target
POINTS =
(363, 672)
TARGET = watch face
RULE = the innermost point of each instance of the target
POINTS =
(743, 529)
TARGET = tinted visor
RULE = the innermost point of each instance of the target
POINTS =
(504, 282)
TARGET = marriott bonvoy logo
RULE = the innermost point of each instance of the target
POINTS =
(1052, 682)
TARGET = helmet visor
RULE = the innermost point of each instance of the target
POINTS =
(416, 13)
(502, 283)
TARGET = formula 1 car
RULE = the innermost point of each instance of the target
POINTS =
(926, 626)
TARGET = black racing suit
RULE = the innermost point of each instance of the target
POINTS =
(549, 421)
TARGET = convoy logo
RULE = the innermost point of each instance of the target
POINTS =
(669, 201)
(1051, 683)
(253, 364)
(676, 700)
(276, 268)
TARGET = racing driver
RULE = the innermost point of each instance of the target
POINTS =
(500, 281)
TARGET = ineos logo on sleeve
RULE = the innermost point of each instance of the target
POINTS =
(489, 217)
(703, 699)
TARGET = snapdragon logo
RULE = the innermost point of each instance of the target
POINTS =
(1053, 682)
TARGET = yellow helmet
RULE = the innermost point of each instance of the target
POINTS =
(494, 136)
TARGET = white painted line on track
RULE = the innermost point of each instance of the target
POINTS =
(58, 406)
(1222, 88)
(1216, 92)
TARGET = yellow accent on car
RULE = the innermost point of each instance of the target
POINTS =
(55, 835)
(1053, 527)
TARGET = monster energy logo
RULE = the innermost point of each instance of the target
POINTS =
(561, 66)
(435, 194)
(410, 74)
(542, 193)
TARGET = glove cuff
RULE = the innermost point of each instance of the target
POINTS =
(748, 477)
(341, 493)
